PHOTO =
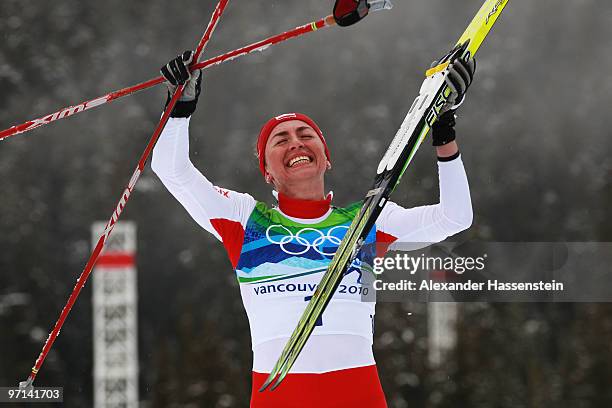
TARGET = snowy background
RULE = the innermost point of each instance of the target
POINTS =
(535, 137)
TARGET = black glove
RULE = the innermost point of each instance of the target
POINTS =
(459, 78)
(177, 72)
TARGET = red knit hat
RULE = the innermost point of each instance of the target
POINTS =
(264, 134)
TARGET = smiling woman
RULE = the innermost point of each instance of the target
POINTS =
(293, 156)
(280, 253)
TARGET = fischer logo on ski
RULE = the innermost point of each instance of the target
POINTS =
(495, 9)
(433, 114)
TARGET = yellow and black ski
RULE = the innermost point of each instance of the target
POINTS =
(421, 116)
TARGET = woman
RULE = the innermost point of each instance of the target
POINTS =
(280, 253)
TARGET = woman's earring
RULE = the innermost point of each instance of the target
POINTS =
(328, 166)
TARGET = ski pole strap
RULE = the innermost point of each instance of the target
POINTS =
(437, 68)
(448, 59)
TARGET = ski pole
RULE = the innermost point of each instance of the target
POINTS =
(262, 45)
(121, 205)
(239, 52)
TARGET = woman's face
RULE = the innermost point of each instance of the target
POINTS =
(294, 152)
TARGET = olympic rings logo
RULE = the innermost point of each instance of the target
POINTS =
(321, 242)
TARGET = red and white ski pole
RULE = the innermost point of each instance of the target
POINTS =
(239, 52)
(375, 5)
(121, 205)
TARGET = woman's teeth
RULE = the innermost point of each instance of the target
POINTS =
(299, 159)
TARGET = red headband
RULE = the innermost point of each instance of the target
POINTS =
(264, 134)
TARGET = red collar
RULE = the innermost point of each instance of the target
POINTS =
(297, 208)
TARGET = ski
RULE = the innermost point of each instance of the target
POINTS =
(422, 115)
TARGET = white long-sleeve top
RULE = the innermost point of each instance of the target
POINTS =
(280, 253)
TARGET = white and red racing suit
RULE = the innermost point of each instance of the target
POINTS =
(280, 254)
